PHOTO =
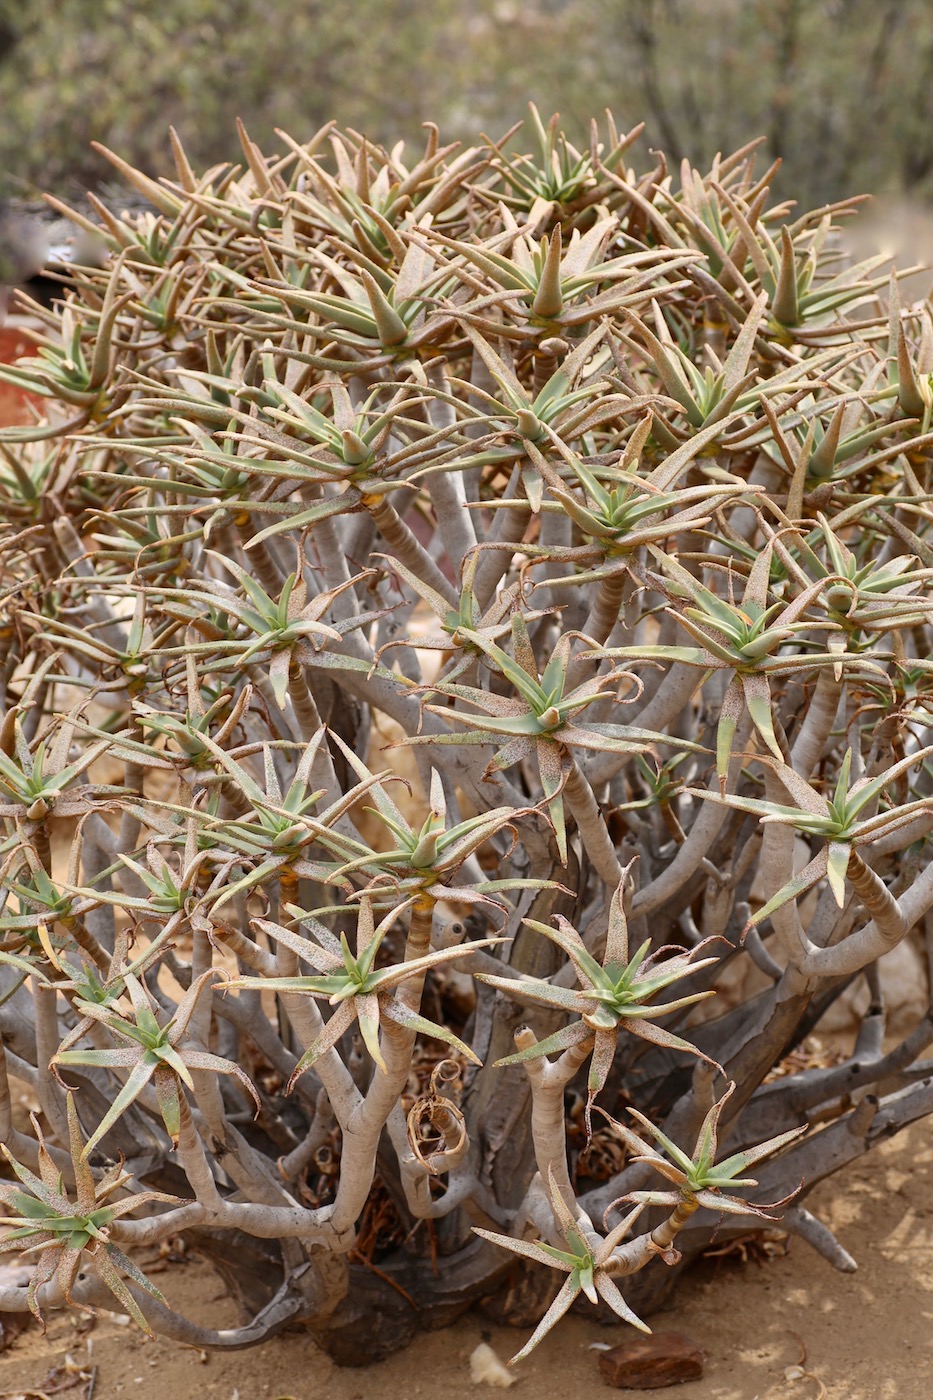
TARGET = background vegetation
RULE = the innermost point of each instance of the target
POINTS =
(842, 89)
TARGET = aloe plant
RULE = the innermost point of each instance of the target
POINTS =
(63, 1231)
(586, 1265)
(355, 986)
(440, 596)
(837, 820)
(615, 994)
(700, 1179)
(153, 1052)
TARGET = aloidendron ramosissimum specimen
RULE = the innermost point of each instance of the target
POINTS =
(435, 595)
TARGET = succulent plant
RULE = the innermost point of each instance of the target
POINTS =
(418, 569)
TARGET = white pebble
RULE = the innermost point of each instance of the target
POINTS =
(487, 1369)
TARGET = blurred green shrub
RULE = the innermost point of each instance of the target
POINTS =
(842, 90)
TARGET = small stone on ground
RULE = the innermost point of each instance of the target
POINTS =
(648, 1363)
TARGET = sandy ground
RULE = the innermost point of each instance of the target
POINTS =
(863, 1336)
